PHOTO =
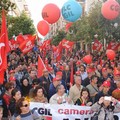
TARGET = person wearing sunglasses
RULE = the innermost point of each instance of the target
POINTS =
(23, 111)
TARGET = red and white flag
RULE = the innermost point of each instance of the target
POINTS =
(97, 45)
(13, 44)
(67, 44)
(113, 45)
(28, 44)
(4, 47)
(46, 44)
(41, 67)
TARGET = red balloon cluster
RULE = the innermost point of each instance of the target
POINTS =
(87, 59)
(110, 9)
(51, 14)
(43, 27)
(110, 54)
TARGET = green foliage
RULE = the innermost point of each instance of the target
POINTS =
(7, 5)
(21, 24)
(94, 23)
(57, 38)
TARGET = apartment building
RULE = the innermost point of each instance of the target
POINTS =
(90, 3)
(21, 6)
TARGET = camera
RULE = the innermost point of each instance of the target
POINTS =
(107, 98)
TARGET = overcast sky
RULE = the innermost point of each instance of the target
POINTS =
(36, 6)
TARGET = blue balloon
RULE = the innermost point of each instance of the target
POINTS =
(71, 10)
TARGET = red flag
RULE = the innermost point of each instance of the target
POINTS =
(41, 66)
(45, 44)
(13, 44)
(27, 45)
(67, 44)
(4, 44)
(97, 45)
(58, 51)
(68, 25)
(2, 76)
(113, 45)
(20, 39)
(71, 74)
(4, 32)
(58, 54)
(4, 47)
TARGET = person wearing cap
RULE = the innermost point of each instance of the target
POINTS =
(52, 89)
(105, 90)
(103, 77)
(75, 90)
(77, 73)
(15, 82)
(11, 72)
(59, 75)
(51, 73)
(77, 67)
(86, 81)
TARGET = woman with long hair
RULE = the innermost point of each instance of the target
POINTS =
(84, 99)
(15, 96)
(25, 87)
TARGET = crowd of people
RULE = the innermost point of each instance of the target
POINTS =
(92, 84)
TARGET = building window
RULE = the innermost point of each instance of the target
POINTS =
(26, 7)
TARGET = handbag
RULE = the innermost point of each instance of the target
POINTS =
(95, 116)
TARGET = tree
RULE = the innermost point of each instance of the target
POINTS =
(21, 24)
(94, 23)
(7, 5)
(58, 37)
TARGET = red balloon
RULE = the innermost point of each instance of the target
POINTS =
(110, 9)
(87, 59)
(51, 13)
(43, 27)
(110, 54)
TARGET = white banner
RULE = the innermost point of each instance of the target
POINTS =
(64, 111)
